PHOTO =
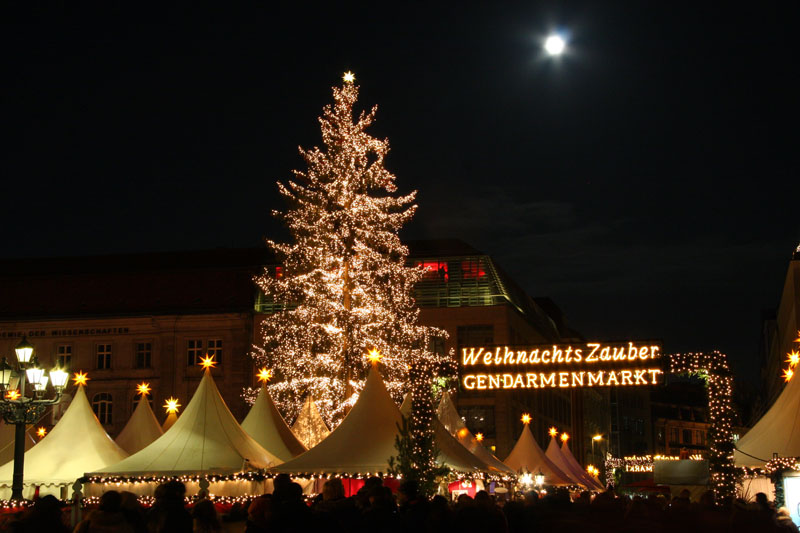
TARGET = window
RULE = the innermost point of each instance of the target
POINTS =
(102, 405)
(472, 269)
(103, 356)
(687, 436)
(64, 355)
(434, 270)
(475, 335)
(673, 436)
(143, 352)
(215, 349)
(194, 351)
(699, 438)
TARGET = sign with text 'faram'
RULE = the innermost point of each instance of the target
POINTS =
(591, 364)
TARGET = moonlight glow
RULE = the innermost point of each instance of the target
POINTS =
(554, 45)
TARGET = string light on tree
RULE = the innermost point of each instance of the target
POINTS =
(344, 287)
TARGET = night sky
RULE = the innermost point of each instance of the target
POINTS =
(647, 181)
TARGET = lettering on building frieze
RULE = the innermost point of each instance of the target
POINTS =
(65, 332)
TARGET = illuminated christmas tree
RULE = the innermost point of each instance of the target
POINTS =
(343, 287)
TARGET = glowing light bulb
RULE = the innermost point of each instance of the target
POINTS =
(526, 418)
(208, 361)
(264, 375)
(143, 389)
(479, 437)
(374, 356)
(80, 378)
(553, 431)
(794, 358)
(349, 77)
(554, 45)
(13, 395)
(564, 437)
(41, 432)
(788, 374)
(172, 405)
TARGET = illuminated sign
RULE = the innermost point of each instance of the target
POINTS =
(591, 364)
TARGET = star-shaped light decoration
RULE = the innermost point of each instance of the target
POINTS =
(788, 374)
(374, 356)
(13, 395)
(172, 405)
(208, 361)
(41, 432)
(479, 437)
(80, 378)
(564, 437)
(794, 358)
(526, 418)
(553, 431)
(264, 375)
(143, 389)
(349, 77)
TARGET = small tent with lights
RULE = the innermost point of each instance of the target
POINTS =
(527, 456)
(206, 441)
(575, 476)
(451, 453)
(361, 444)
(778, 431)
(266, 425)
(142, 427)
(309, 426)
(77, 443)
(448, 415)
(591, 482)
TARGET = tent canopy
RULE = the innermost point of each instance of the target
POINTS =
(266, 425)
(205, 439)
(309, 426)
(778, 431)
(554, 454)
(142, 428)
(448, 414)
(590, 481)
(76, 443)
(527, 455)
(362, 443)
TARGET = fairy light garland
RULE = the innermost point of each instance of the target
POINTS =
(714, 368)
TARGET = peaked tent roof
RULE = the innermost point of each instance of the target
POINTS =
(172, 417)
(778, 431)
(554, 454)
(451, 453)
(142, 428)
(449, 416)
(309, 427)
(77, 443)
(206, 438)
(266, 425)
(589, 481)
(362, 443)
(528, 455)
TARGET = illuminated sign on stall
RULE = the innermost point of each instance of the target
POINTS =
(591, 364)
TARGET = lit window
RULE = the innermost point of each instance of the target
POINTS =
(194, 351)
(103, 356)
(143, 354)
(102, 406)
(472, 269)
(434, 270)
(64, 355)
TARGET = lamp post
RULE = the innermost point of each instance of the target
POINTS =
(19, 409)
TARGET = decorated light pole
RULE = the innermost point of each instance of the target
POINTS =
(19, 409)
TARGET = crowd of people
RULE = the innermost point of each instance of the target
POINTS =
(375, 508)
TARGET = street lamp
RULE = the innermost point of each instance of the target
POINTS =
(539, 479)
(19, 409)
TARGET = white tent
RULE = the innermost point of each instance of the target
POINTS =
(590, 481)
(554, 454)
(528, 456)
(206, 439)
(266, 425)
(7, 435)
(363, 441)
(778, 431)
(451, 453)
(309, 426)
(77, 443)
(142, 428)
(448, 414)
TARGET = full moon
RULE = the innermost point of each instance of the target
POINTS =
(554, 45)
